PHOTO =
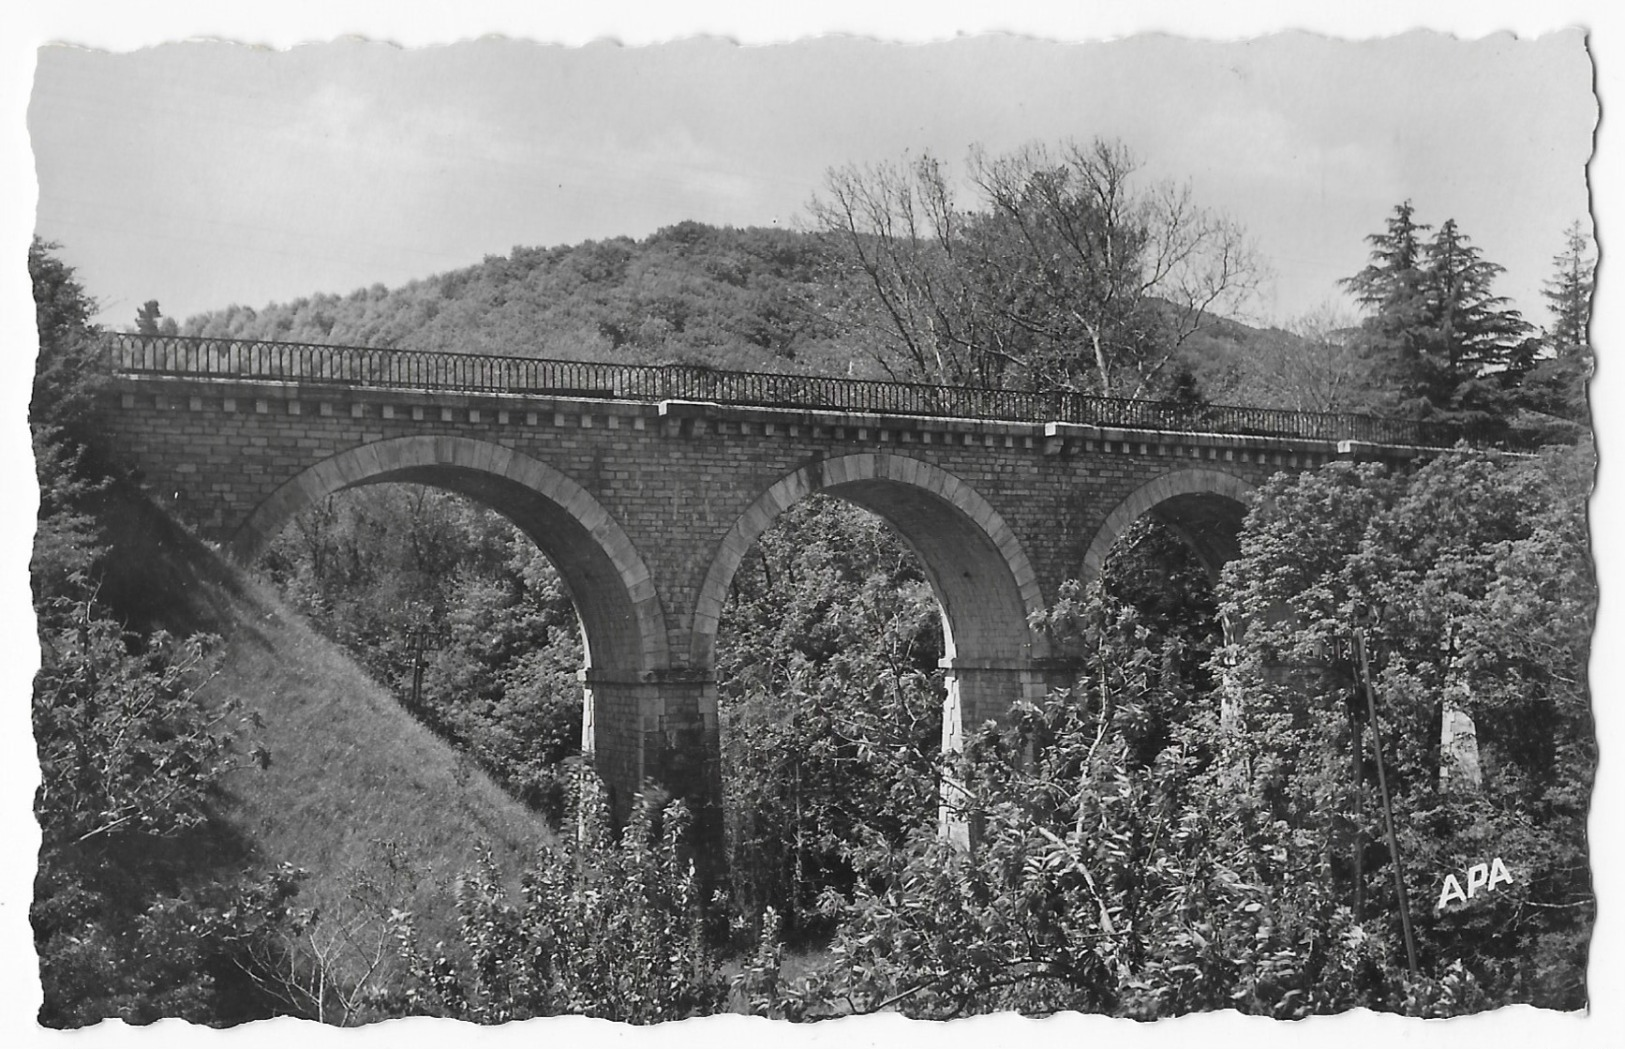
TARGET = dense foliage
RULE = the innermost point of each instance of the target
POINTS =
(141, 910)
(458, 613)
(607, 925)
(1142, 853)
(1090, 864)
(1443, 565)
(1556, 385)
(829, 686)
(1441, 343)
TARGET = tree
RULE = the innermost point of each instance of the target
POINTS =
(1440, 341)
(1392, 288)
(830, 702)
(894, 233)
(605, 928)
(1116, 870)
(67, 372)
(1556, 385)
(150, 321)
(65, 382)
(1568, 292)
(1481, 346)
(1062, 252)
(1075, 253)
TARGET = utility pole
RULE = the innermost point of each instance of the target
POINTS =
(1363, 669)
(1357, 763)
(1338, 651)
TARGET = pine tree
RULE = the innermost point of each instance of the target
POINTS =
(1441, 343)
(1556, 385)
(1568, 292)
(1393, 288)
(1479, 347)
(1477, 331)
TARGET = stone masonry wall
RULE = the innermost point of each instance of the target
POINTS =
(681, 481)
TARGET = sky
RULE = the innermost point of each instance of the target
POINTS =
(205, 174)
(201, 176)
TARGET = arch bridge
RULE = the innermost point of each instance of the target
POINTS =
(647, 486)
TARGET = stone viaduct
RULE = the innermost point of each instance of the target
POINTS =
(646, 487)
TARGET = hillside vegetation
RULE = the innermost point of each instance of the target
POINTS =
(691, 293)
(350, 772)
(352, 799)
(749, 299)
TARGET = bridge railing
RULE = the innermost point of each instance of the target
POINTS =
(372, 367)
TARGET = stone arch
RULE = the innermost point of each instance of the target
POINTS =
(975, 563)
(1203, 507)
(614, 594)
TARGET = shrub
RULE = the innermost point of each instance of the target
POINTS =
(603, 927)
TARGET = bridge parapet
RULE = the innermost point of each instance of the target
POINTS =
(386, 368)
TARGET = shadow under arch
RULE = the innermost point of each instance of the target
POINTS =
(1203, 507)
(974, 562)
(623, 626)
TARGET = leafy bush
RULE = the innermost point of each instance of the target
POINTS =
(604, 928)
(1099, 880)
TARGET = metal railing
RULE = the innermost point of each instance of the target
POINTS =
(379, 368)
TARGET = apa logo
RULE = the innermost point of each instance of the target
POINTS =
(1484, 876)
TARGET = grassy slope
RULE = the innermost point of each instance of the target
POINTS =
(349, 767)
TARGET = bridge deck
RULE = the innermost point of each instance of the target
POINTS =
(382, 368)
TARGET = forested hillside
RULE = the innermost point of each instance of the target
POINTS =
(748, 299)
(694, 294)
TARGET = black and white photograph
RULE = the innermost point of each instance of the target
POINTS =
(812, 532)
